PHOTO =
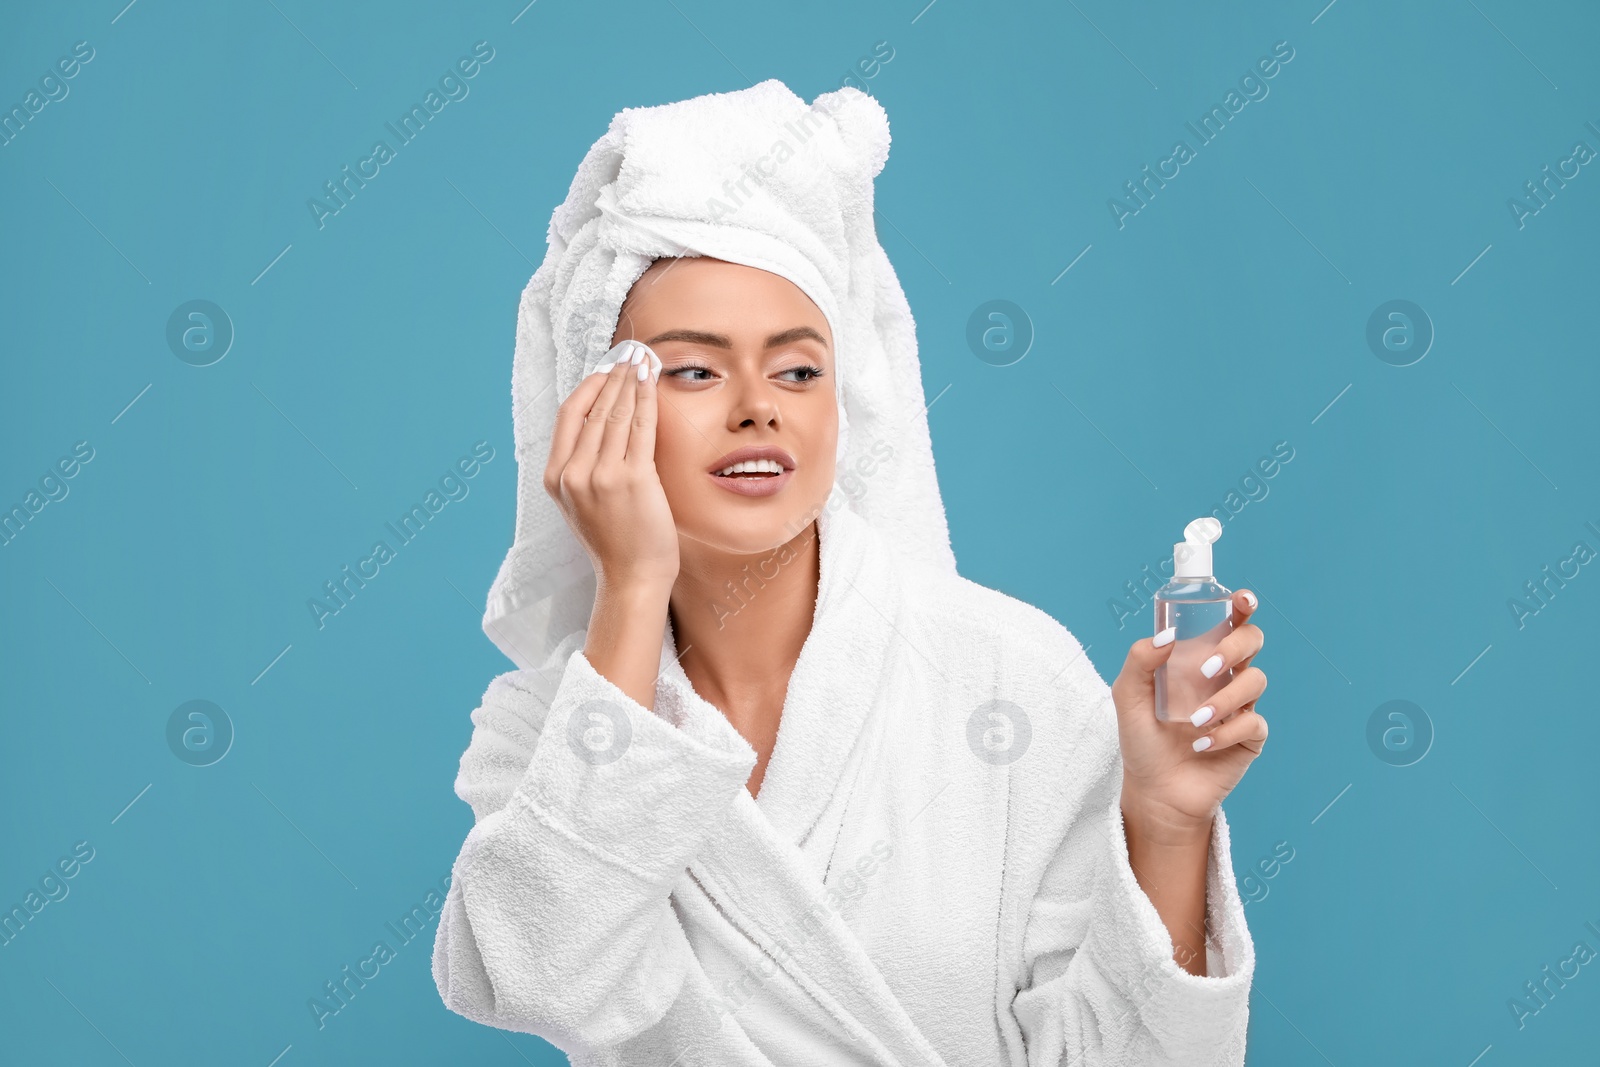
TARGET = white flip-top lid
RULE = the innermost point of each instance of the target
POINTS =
(1191, 557)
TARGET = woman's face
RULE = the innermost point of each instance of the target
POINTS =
(746, 363)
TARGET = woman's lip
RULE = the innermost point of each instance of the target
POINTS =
(748, 486)
(749, 452)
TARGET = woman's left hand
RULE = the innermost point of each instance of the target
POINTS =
(1170, 786)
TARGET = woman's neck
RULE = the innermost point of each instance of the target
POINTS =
(740, 622)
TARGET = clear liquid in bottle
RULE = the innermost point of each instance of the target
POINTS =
(1202, 611)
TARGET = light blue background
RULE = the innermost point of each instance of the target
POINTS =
(1226, 316)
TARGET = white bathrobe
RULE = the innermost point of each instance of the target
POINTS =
(935, 870)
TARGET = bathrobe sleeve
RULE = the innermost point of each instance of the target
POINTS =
(1104, 987)
(588, 807)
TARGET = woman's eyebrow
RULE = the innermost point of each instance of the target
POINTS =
(717, 340)
(799, 333)
(699, 337)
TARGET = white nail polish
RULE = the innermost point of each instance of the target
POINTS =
(1250, 598)
(1164, 638)
(1203, 716)
(1211, 666)
(644, 370)
(1202, 743)
(638, 354)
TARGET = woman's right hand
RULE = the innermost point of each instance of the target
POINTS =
(602, 473)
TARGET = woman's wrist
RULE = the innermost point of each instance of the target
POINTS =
(624, 639)
(1161, 826)
(634, 593)
(1169, 857)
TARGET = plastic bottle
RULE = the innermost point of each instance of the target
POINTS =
(1202, 611)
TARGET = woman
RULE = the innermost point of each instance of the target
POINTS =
(775, 785)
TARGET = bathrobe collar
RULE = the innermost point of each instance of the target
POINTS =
(834, 685)
(760, 876)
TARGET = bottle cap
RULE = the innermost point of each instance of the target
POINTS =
(1191, 557)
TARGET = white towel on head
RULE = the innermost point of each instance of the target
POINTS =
(755, 177)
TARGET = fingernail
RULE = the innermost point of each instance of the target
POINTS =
(1203, 716)
(1250, 598)
(638, 354)
(1211, 666)
(1165, 637)
(604, 368)
(644, 371)
(1202, 743)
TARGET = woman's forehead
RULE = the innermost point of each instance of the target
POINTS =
(714, 298)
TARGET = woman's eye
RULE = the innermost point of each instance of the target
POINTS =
(696, 372)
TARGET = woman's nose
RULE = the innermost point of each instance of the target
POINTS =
(752, 403)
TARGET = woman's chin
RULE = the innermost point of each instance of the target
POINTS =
(747, 531)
